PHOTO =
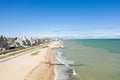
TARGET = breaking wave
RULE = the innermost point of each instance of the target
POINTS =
(64, 71)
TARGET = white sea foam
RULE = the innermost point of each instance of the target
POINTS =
(74, 73)
(62, 72)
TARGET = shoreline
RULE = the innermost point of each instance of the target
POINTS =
(44, 70)
(27, 67)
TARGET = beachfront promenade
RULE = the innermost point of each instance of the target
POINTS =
(15, 56)
(28, 66)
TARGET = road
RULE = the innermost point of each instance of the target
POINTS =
(17, 67)
(15, 56)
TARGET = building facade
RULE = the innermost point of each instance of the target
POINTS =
(3, 43)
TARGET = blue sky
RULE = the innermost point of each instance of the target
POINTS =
(78, 18)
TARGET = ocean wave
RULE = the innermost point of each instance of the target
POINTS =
(64, 71)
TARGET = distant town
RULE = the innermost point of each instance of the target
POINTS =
(18, 43)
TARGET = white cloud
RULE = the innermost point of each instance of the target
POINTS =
(84, 34)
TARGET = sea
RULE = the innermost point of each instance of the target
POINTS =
(88, 59)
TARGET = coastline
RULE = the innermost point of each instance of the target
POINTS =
(27, 67)
(43, 71)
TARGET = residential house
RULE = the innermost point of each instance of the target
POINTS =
(3, 43)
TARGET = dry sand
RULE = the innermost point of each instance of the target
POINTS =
(27, 67)
(43, 71)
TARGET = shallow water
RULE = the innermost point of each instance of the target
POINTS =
(100, 58)
(62, 72)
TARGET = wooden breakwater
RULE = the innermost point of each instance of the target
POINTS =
(50, 64)
(68, 64)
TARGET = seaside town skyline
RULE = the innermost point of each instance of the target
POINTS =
(61, 18)
(12, 43)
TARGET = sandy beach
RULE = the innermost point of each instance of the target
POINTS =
(27, 67)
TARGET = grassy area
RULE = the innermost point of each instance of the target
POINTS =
(35, 53)
(45, 46)
(19, 48)
(21, 51)
(14, 53)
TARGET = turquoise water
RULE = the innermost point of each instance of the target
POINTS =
(100, 58)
